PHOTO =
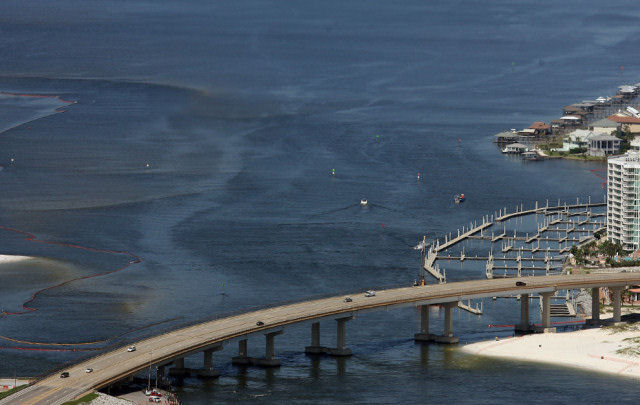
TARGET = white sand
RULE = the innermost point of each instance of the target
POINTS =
(105, 399)
(13, 259)
(590, 349)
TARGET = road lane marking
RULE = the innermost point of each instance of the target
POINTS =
(42, 396)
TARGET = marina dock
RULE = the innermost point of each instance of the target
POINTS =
(569, 219)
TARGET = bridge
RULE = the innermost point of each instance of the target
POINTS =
(207, 337)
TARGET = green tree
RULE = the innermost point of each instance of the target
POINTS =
(611, 249)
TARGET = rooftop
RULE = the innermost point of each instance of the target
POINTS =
(604, 137)
(624, 119)
(539, 125)
(572, 108)
(631, 158)
(604, 123)
(626, 89)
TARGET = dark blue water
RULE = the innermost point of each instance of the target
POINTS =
(203, 139)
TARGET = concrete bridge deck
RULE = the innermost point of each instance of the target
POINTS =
(117, 364)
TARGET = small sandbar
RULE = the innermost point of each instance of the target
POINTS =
(608, 350)
(14, 259)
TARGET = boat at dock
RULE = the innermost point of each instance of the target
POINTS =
(515, 148)
(530, 155)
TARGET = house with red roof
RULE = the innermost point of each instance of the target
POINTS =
(540, 128)
(626, 122)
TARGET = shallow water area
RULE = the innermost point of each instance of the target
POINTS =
(204, 140)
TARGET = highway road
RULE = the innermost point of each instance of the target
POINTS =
(117, 364)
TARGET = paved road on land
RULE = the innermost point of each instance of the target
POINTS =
(117, 364)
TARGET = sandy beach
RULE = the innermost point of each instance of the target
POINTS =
(13, 259)
(597, 349)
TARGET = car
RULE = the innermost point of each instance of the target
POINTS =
(348, 299)
(369, 293)
(520, 283)
(88, 370)
(147, 392)
(131, 349)
(260, 323)
(156, 399)
(64, 374)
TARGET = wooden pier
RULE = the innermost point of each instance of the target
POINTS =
(503, 258)
(528, 239)
(549, 210)
(462, 236)
(477, 310)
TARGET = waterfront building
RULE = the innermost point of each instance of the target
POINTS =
(506, 137)
(577, 108)
(527, 133)
(580, 137)
(626, 122)
(627, 91)
(623, 200)
(603, 144)
(540, 128)
(572, 120)
(604, 125)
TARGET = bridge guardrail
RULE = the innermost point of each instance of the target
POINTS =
(148, 334)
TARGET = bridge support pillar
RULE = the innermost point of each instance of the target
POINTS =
(339, 350)
(447, 335)
(270, 346)
(617, 304)
(524, 326)
(207, 371)
(242, 359)
(424, 335)
(268, 361)
(159, 376)
(546, 313)
(341, 338)
(595, 307)
(178, 368)
(315, 347)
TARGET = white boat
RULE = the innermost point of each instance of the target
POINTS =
(363, 202)
(515, 148)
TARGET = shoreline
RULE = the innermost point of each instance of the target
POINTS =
(594, 349)
(4, 259)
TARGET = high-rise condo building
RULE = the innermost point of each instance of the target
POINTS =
(623, 200)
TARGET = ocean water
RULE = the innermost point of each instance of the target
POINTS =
(203, 137)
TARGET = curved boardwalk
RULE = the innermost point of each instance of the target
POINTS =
(117, 364)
